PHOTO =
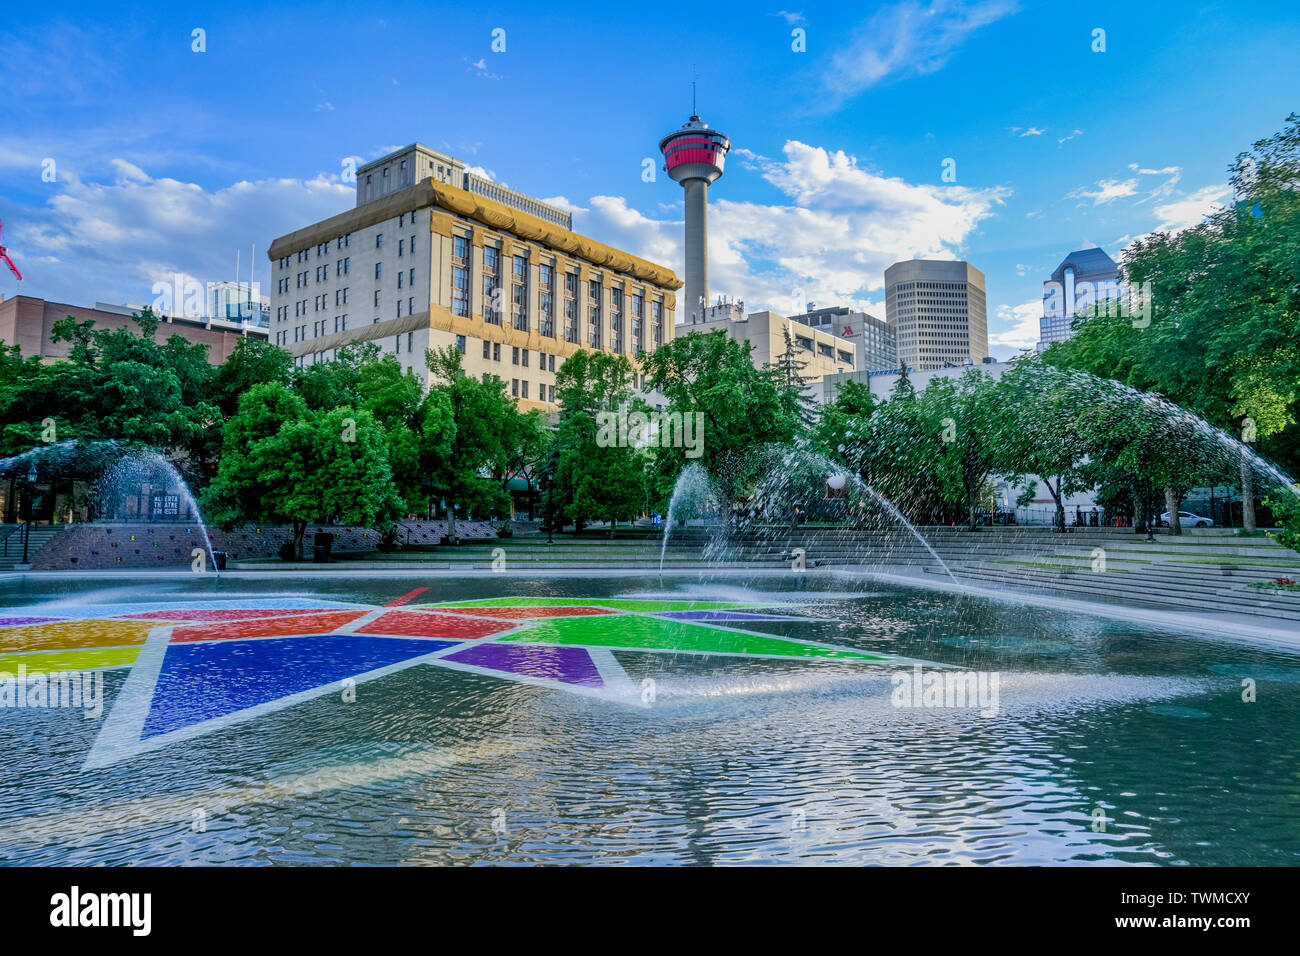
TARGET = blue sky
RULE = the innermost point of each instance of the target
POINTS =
(168, 160)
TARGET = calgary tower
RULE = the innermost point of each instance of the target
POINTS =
(693, 156)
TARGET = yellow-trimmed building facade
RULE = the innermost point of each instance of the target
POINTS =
(435, 256)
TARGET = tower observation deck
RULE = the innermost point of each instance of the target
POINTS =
(694, 156)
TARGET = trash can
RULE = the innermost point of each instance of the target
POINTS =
(321, 547)
(218, 558)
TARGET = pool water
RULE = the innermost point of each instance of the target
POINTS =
(275, 719)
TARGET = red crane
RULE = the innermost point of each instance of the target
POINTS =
(4, 257)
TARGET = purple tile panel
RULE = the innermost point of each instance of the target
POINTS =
(571, 665)
(13, 621)
(720, 616)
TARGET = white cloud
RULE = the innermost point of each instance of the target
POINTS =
(793, 19)
(111, 241)
(911, 38)
(1108, 190)
(828, 241)
(1190, 210)
(1016, 326)
(480, 68)
(831, 244)
(1066, 139)
(1032, 131)
(484, 172)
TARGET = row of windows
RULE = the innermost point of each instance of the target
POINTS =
(905, 286)
(518, 356)
(322, 250)
(345, 241)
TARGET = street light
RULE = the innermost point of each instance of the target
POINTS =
(550, 480)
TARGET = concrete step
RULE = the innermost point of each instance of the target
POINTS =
(11, 549)
(1141, 590)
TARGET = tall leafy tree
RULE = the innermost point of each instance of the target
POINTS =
(595, 477)
(1039, 432)
(285, 463)
(1224, 321)
(742, 408)
(475, 412)
(965, 414)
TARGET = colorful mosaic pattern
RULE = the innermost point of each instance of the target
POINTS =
(196, 667)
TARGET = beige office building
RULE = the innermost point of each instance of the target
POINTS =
(824, 353)
(938, 312)
(434, 256)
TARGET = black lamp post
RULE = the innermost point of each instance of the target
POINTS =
(550, 523)
(31, 489)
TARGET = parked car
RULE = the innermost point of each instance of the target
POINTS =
(1188, 519)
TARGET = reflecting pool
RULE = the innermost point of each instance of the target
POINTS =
(268, 719)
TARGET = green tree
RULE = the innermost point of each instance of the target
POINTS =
(1039, 433)
(1223, 338)
(251, 362)
(742, 408)
(965, 415)
(598, 474)
(475, 410)
(285, 463)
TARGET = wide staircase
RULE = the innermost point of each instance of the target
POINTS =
(1202, 571)
(1208, 573)
(11, 543)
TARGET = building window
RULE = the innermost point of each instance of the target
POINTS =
(546, 306)
(571, 320)
(460, 344)
(491, 300)
(379, 270)
(519, 295)
(657, 319)
(616, 319)
(638, 326)
(459, 291)
(594, 316)
(460, 248)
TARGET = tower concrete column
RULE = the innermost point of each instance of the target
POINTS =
(697, 248)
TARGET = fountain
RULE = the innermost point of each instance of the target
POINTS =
(792, 478)
(117, 470)
(695, 490)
